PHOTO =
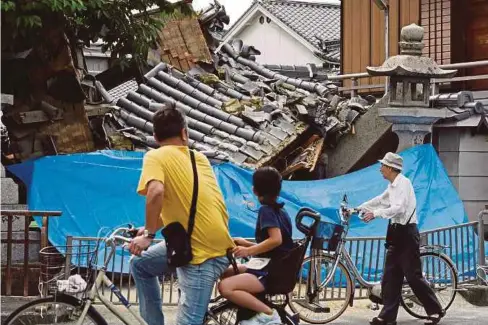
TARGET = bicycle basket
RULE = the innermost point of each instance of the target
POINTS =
(66, 269)
(327, 236)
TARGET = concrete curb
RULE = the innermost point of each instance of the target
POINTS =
(476, 295)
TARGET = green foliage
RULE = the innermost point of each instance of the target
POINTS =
(125, 26)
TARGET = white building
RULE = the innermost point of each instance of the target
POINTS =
(291, 32)
(96, 60)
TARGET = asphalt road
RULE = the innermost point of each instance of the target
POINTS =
(461, 312)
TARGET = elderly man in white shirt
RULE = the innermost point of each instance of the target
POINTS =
(398, 205)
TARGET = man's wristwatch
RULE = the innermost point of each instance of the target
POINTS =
(148, 235)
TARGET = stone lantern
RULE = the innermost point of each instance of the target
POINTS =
(409, 73)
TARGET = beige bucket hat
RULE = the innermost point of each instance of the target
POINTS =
(393, 160)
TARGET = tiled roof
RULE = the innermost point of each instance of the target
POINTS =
(212, 130)
(481, 96)
(465, 109)
(123, 89)
(241, 111)
(313, 21)
(332, 56)
(237, 109)
(311, 72)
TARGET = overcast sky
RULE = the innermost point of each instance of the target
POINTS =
(235, 8)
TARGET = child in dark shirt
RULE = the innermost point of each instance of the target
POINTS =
(273, 239)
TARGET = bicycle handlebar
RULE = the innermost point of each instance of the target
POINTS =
(232, 260)
(122, 235)
(347, 212)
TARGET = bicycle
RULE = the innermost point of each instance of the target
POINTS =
(326, 288)
(285, 273)
(65, 308)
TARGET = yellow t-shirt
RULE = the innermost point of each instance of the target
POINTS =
(171, 165)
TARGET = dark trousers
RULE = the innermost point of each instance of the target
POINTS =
(403, 260)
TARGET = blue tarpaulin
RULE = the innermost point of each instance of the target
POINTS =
(95, 190)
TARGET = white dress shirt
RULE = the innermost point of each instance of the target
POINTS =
(396, 203)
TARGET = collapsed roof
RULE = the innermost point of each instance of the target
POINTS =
(237, 109)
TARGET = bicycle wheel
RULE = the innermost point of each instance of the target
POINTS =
(224, 313)
(331, 301)
(441, 275)
(60, 309)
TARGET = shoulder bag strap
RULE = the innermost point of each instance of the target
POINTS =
(193, 207)
(411, 216)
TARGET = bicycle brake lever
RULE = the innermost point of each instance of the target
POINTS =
(132, 233)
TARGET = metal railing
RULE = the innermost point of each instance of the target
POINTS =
(367, 253)
(120, 274)
(461, 244)
(26, 266)
(463, 65)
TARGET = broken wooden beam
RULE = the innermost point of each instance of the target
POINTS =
(34, 117)
(98, 110)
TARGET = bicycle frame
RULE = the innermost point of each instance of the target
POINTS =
(347, 260)
(341, 255)
(102, 279)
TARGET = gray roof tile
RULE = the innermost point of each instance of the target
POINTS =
(465, 109)
(123, 89)
(309, 19)
(301, 71)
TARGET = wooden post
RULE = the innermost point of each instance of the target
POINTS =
(26, 255)
(69, 252)
(354, 92)
(8, 290)
(44, 231)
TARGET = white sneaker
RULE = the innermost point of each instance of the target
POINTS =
(263, 319)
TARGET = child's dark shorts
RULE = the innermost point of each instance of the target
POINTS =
(260, 274)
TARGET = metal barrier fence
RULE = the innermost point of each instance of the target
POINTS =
(20, 250)
(367, 253)
(460, 243)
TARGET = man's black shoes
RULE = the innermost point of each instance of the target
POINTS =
(431, 320)
(377, 321)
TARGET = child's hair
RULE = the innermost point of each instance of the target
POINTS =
(267, 184)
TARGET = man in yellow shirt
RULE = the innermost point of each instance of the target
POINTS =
(167, 182)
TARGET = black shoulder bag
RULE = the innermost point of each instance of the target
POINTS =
(178, 240)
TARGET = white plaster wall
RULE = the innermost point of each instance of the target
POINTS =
(275, 44)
